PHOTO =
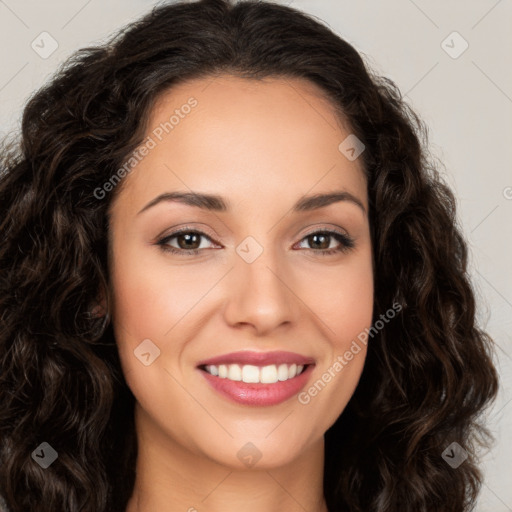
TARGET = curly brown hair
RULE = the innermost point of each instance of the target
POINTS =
(429, 374)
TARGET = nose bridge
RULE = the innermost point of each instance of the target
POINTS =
(259, 293)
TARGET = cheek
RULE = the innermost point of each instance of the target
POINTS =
(148, 302)
(342, 300)
(343, 303)
(137, 314)
(351, 319)
(150, 298)
(152, 301)
(355, 308)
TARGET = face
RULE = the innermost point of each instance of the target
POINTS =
(261, 282)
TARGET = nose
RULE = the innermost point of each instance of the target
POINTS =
(260, 295)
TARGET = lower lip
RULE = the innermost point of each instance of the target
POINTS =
(256, 393)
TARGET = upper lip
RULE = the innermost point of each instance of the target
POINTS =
(258, 358)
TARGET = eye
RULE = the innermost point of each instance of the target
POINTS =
(322, 240)
(189, 242)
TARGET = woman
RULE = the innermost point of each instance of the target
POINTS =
(173, 338)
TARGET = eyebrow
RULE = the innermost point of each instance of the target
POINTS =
(216, 203)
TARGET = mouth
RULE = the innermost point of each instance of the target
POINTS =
(257, 379)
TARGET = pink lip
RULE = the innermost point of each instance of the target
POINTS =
(258, 394)
(259, 358)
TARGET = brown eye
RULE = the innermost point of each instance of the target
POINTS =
(187, 241)
(190, 240)
(320, 242)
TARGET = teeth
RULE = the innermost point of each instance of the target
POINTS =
(223, 371)
(282, 372)
(234, 372)
(250, 373)
(268, 374)
(255, 374)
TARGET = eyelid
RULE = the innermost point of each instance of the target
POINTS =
(326, 229)
(186, 229)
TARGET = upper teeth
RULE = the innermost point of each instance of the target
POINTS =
(249, 373)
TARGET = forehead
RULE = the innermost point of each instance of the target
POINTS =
(261, 108)
(277, 135)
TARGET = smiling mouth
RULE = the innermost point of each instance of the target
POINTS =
(250, 374)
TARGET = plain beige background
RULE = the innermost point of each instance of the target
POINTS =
(463, 94)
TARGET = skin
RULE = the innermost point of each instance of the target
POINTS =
(262, 145)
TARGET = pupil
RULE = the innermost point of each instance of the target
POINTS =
(315, 237)
(188, 238)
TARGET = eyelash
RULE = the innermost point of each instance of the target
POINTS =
(347, 243)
